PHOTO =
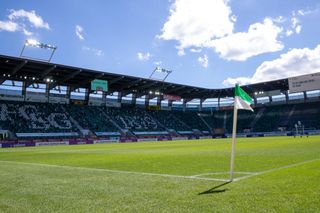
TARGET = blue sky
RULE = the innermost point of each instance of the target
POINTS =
(207, 43)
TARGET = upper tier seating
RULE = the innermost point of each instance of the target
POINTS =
(34, 117)
(134, 119)
(27, 117)
(92, 118)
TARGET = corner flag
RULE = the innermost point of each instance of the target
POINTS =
(241, 101)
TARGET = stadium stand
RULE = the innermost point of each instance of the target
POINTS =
(44, 115)
(192, 120)
(169, 120)
(134, 119)
(20, 117)
(91, 118)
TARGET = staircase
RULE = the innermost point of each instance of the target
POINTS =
(180, 121)
(258, 116)
(290, 115)
(225, 120)
(158, 122)
(112, 121)
(75, 123)
(206, 123)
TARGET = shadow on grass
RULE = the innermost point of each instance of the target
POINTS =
(216, 189)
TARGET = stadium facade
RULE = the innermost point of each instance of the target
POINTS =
(43, 103)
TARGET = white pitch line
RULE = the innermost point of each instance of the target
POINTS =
(194, 177)
(275, 169)
(116, 171)
(222, 173)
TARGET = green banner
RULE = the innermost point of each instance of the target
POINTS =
(99, 85)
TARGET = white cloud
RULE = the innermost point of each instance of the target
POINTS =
(95, 51)
(289, 33)
(157, 63)
(79, 31)
(194, 23)
(143, 56)
(210, 23)
(260, 38)
(279, 19)
(35, 20)
(295, 21)
(18, 20)
(298, 29)
(204, 61)
(295, 24)
(9, 26)
(239, 80)
(99, 52)
(181, 52)
(195, 50)
(293, 63)
(26, 32)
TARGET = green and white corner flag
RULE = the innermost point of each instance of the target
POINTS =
(242, 100)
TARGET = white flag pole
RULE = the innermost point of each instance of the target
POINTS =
(234, 134)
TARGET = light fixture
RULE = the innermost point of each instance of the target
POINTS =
(37, 44)
(162, 70)
(32, 42)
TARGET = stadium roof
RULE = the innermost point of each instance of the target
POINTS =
(33, 71)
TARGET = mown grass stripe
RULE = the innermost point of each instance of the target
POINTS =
(116, 171)
(275, 169)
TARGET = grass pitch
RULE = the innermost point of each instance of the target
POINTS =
(274, 174)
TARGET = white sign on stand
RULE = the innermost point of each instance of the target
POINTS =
(304, 83)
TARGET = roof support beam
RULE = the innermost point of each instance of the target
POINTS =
(71, 75)
(83, 83)
(28, 83)
(147, 86)
(112, 81)
(189, 91)
(202, 94)
(67, 77)
(2, 81)
(161, 88)
(19, 67)
(176, 89)
(47, 71)
(127, 86)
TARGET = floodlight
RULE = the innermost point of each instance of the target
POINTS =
(32, 42)
(162, 70)
(158, 69)
(35, 43)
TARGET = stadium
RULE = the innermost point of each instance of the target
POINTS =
(48, 105)
(44, 102)
(77, 137)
